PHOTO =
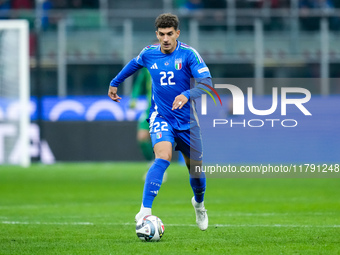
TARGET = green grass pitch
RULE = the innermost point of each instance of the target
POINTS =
(89, 208)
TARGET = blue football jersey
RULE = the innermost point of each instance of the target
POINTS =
(171, 74)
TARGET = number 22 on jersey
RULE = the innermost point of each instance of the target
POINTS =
(166, 78)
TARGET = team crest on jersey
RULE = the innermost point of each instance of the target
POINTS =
(178, 64)
(159, 135)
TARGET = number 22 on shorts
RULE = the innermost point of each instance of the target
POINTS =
(160, 126)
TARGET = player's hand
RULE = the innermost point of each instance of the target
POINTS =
(113, 94)
(179, 102)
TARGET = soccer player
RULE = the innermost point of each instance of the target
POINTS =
(173, 119)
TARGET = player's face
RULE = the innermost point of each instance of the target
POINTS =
(167, 38)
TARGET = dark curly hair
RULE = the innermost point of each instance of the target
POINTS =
(166, 20)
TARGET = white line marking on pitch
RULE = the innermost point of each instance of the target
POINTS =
(44, 223)
(171, 225)
(258, 225)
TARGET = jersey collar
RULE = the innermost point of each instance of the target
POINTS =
(178, 43)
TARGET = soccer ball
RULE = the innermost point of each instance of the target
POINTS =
(150, 228)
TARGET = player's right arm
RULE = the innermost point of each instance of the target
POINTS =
(134, 65)
(113, 94)
(127, 71)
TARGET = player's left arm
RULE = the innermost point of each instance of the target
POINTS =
(202, 79)
(202, 86)
(202, 82)
(179, 102)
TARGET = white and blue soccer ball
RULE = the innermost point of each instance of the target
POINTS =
(150, 228)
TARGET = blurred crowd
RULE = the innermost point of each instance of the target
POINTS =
(207, 4)
(57, 4)
(183, 4)
(313, 23)
(189, 5)
(46, 5)
(306, 7)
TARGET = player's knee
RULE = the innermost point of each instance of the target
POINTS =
(166, 155)
(143, 136)
(163, 150)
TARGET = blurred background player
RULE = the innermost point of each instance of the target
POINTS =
(173, 116)
(142, 86)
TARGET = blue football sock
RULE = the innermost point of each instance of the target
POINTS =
(198, 187)
(153, 181)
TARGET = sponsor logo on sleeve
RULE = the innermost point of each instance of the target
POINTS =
(204, 69)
